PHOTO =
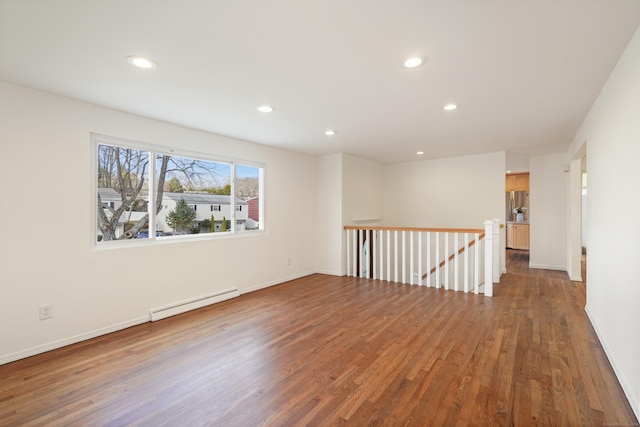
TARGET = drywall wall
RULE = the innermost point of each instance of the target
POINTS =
(612, 133)
(460, 192)
(329, 225)
(517, 162)
(362, 197)
(548, 213)
(47, 256)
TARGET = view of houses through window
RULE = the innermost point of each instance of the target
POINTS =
(187, 196)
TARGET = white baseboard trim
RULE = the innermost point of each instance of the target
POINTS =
(330, 273)
(575, 278)
(548, 267)
(632, 397)
(193, 304)
(12, 357)
(274, 282)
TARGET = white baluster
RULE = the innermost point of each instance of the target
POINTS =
(388, 255)
(446, 260)
(411, 267)
(395, 256)
(348, 240)
(438, 260)
(429, 258)
(381, 257)
(372, 255)
(360, 251)
(476, 264)
(420, 258)
(467, 248)
(404, 257)
(456, 262)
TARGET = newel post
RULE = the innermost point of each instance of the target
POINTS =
(497, 271)
(488, 257)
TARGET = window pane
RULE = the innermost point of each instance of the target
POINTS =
(196, 196)
(247, 189)
(122, 193)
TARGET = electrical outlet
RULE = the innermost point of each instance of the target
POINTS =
(288, 261)
(46, 311)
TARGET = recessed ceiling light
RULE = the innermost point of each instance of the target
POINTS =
(265, 108)
(450, 107)
(420, 153)
(413, 62)
(142, 62)
(330, 132)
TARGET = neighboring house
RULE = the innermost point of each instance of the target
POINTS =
(110, 198)
(205, 205)
(253, 221)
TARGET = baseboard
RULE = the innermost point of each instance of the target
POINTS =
(330, 273)
(575, 278)
(193, 304)
(632, 397)
(274, 282)
(12, 357)
(548, 267)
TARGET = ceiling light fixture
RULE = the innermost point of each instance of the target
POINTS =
(420, 153)
(142, 62)
(330, 132)
(413, 62)
(265, 108)
(450, 107)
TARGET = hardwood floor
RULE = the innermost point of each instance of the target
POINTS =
(326, 350)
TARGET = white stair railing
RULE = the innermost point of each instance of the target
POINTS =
(466, 260)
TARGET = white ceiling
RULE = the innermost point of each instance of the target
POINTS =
(523, 72)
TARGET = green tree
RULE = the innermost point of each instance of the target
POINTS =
(212, 227)
(175, 186)
(182, 217)
(224, 224)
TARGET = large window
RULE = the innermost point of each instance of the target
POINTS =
(188, 195)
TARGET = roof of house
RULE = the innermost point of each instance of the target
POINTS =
(203, 198)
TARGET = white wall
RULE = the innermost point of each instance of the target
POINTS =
(548, 213)
(329, 226)
(362, 197)
(47, 255)
(612, 132)
(517, 162)
(458, 192)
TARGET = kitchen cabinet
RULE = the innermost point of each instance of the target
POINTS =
(518, 236)
(517, 182)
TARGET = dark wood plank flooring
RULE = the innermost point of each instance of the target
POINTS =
(326, 350)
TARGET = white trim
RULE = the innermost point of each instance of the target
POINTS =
(632, 398)
(548, 267)
(71, 340)
(330, 273)
(275, 282)
(193, 304)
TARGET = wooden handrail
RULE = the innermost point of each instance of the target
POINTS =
(433, 230)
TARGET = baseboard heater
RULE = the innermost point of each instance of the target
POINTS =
(183, 307)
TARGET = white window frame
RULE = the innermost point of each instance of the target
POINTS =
(155, 150)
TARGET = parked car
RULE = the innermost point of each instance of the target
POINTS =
(144, 234)
(174, 233)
